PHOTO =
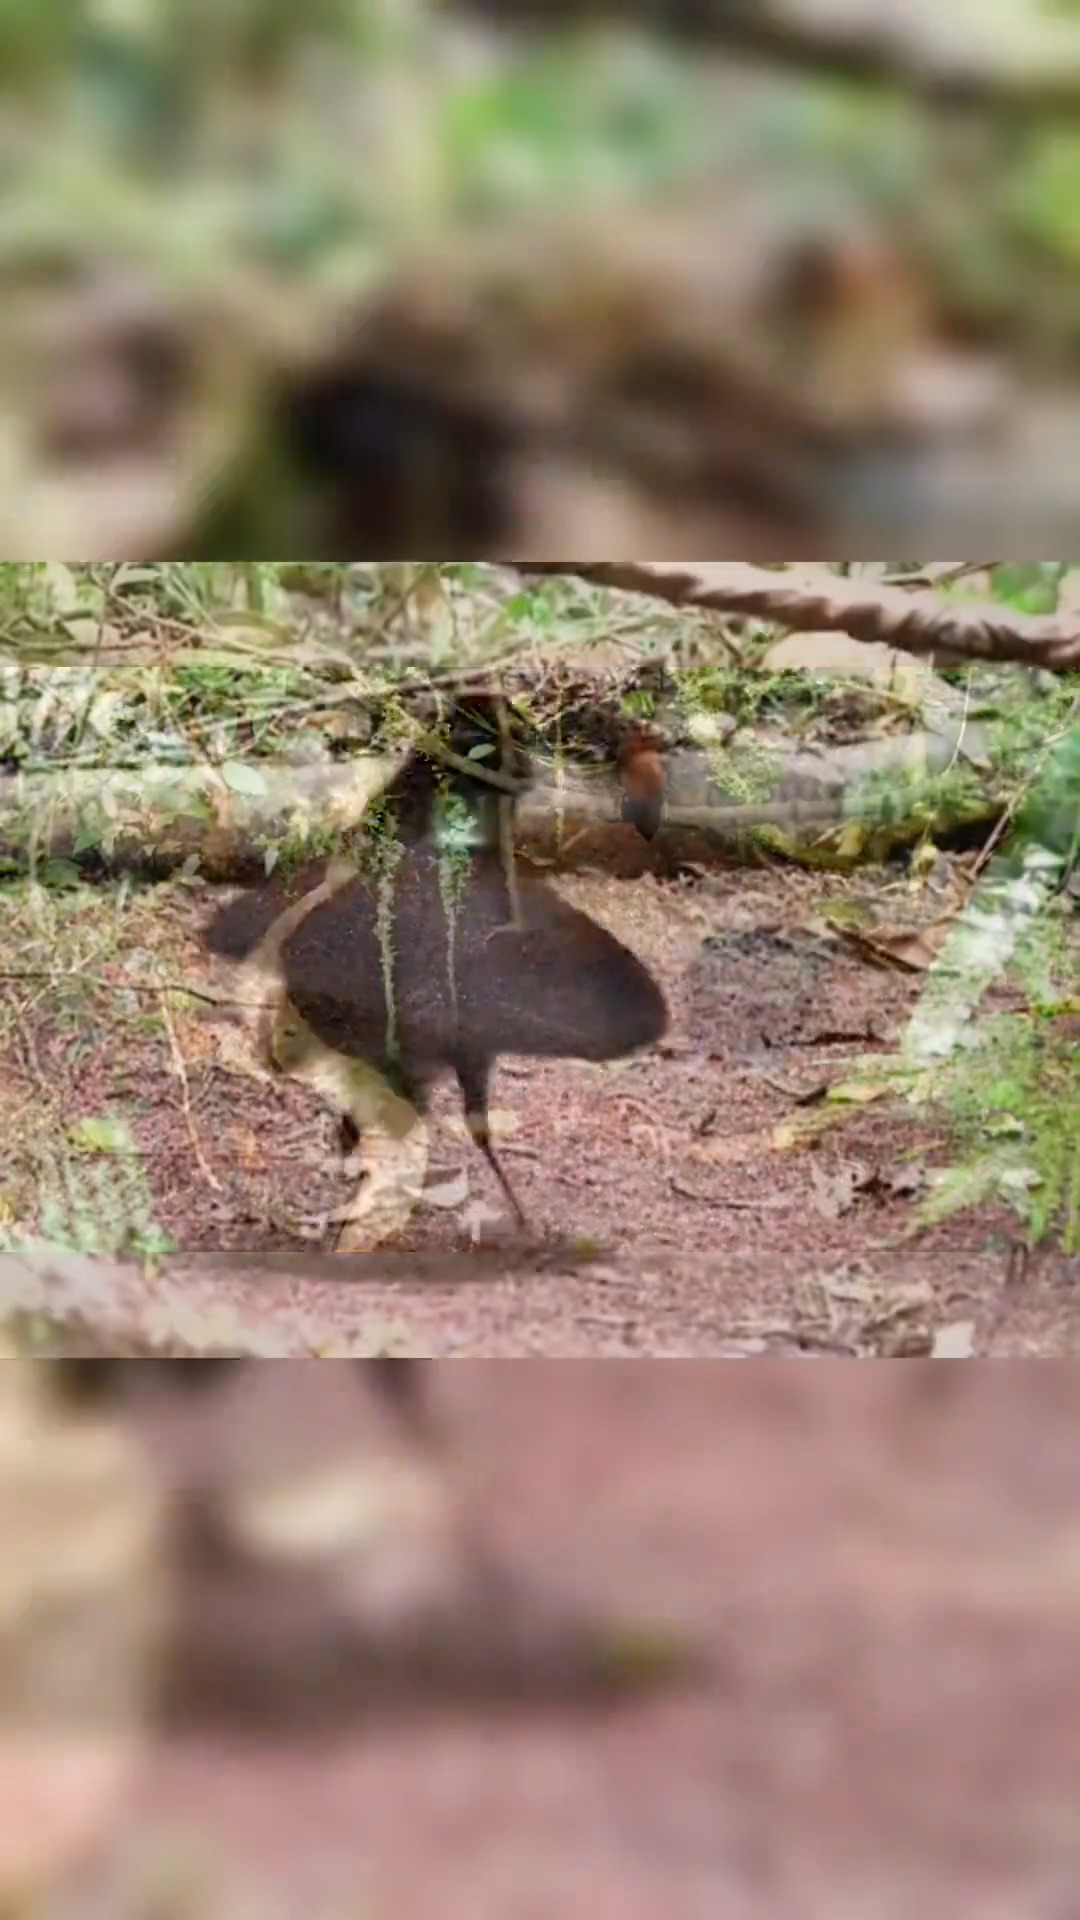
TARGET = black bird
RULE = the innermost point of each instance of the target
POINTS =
(441, 955)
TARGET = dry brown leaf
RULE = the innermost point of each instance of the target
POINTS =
(909, 949)
(243, 1143)
(836, 1190)
(858, 1093)
(802, 1130)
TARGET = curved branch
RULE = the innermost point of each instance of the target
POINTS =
(809, 602)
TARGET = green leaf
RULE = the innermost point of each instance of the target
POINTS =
(244, 779)
(61, 873)
(103, 1135)
(1031, 587)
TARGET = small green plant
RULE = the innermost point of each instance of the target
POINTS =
(1010, 1083)
(94, 1196)
(1012, 1098)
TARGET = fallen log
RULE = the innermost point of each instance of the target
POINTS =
(233, 824)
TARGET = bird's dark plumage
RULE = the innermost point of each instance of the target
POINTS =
(467, 983)
(441, 956)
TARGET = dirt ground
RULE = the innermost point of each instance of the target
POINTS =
(671, 1216)
(883, 1565)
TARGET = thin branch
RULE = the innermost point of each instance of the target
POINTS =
(180, 1069)
(808, 601)
(55, 974)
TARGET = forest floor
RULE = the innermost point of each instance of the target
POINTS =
(687, 1202)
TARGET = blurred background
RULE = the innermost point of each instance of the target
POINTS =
(873, 1571)
(476, 279)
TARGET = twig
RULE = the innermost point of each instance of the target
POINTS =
(934, 576)
(472, 769)
(962, 730)
(54, 974)
(29, 1047)
(990, 843)
(180, 1069)
(719, 1200)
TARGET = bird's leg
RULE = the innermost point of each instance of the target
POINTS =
(472, 1078)
(481, 1134)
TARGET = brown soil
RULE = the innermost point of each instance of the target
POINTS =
(883, 1564)
(671, 1223)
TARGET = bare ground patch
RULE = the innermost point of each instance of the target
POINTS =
(707, 1221)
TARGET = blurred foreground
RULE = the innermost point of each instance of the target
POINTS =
(879, 1563)
(398, 280)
